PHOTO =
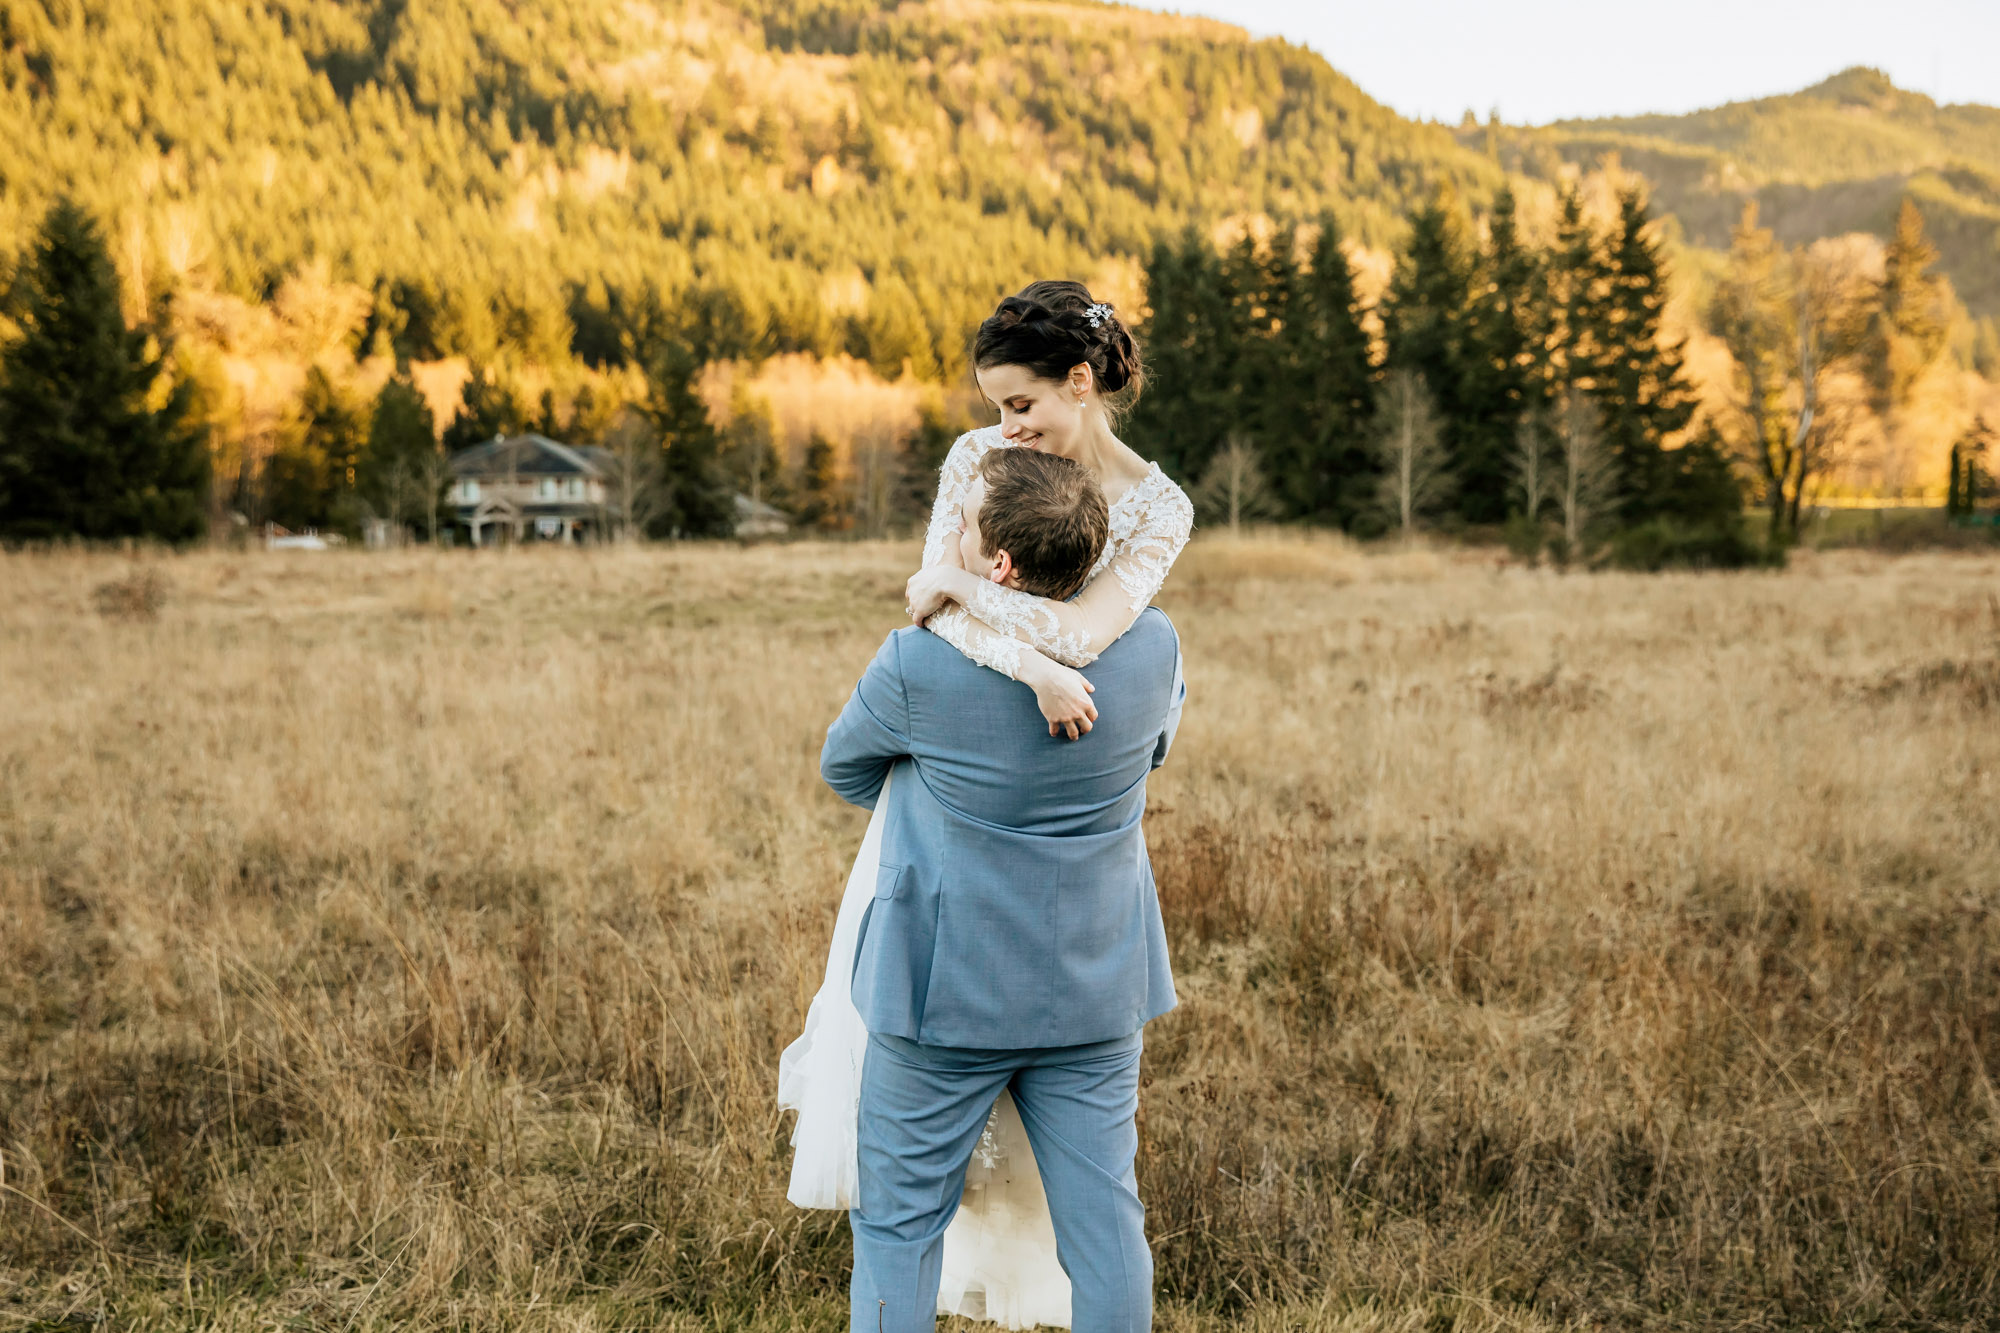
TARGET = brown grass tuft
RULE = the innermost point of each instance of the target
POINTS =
(140, 595)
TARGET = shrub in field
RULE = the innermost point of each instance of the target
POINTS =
(1664, 543)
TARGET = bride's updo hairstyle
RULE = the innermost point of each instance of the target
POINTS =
(1046, 327)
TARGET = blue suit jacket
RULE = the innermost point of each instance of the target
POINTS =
(1014, 906)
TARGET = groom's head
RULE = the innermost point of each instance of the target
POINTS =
(1034, 521)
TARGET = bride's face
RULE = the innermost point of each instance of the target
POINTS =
(1038, 413)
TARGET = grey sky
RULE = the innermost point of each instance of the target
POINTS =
(1541, 60)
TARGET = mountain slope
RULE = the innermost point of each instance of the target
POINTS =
(838, 174)
(1836, 157)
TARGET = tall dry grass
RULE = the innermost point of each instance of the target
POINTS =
(407, 940)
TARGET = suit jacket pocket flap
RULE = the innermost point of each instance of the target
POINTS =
(887, 880)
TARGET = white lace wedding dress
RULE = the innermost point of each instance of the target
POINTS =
(1000, 1249)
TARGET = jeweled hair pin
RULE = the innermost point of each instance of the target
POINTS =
(1097, 314)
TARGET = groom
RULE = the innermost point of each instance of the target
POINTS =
(1015, 938)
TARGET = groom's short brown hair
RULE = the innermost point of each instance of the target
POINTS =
(1045, 511)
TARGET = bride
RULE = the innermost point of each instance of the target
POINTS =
(1057, 365)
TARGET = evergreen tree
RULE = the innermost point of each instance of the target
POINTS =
(937, 430)
(1506, 368)
(696, 499)
(893, 333)
(1426, 323)
(1698, 488)
(402, 474)
(1953, 506)
(81, 452)
(1317, 423)
(488, 406)
(1191, 405)
(1913, 321)
(546, 422)
(1642, 388)
(312, 473)
(1259, 280)
(822, 493)
(1579, 280)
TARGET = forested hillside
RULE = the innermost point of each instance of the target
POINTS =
(845, 174)
(1838, 157)
(749, 240)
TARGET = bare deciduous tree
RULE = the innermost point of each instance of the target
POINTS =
(878, 478)
(409, 488)
(634, 475)
(1587, 480)
(1409, 446)
(434, 474)
(1234, 485)
(1835, 299)
(1532, 466)
(1793, 321)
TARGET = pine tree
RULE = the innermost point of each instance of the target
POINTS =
(81, 452)
(893, 335)
(312, 473)
(1192, 352)
(1579, 279)
(1318, 420)
(488, 407)
(697, 500)
(402, 473)
(1953, 506)
(1426, 322)
(822, 493)
(1506, 369)
(1913, 322)
(1641, 384)
(1260, 281)
(937, 429)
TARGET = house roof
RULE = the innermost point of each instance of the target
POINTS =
(749, 508)
(529, 455)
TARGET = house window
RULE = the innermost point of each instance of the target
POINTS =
(547, 489)
(468, 492)
(574, 488)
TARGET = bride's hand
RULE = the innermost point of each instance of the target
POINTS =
(929, 589)
(1062, 692)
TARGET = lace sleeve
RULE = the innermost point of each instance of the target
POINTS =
(955, 478)
(952, 624)
(1075, 632)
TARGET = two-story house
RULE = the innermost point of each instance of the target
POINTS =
(529, 487)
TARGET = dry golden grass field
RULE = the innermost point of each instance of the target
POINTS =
(406, 941)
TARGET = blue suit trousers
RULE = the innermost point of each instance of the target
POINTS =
(922, 1110)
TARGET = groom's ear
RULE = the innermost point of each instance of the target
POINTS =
(1003, 571)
